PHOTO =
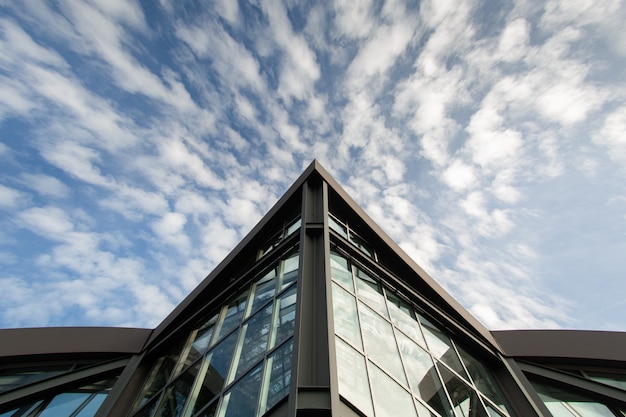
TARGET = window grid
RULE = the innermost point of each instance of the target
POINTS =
(487, 404)
(275, 325)
(343, 229)
(287, 230)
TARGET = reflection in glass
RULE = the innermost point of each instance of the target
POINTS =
(201, 341)
(159, 375)
(289, 270)
(615, 380)
(481, 378)
(279, 369)
(65, 404)
(173, 402)
(345, 316)
(264, 290)
(340, 270)
(233, 314)
(465, 400)
(13, 378)
(286, 305)
(353, 385)
(337, 227)
(241, 400)
(563, 403)
(370, 291)
(390, 399)
(217, 370)
(255, 334)
(402, 315)
(441, 347)
(361, 244)
(380, 344)
(422, 375)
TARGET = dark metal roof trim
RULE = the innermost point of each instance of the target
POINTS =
(563, 344)
(71, 340)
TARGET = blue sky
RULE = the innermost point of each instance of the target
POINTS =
(140, 141)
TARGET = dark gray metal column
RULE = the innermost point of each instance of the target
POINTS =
(312, 393)
(520, 392)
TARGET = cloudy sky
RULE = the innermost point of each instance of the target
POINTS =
(140, 141)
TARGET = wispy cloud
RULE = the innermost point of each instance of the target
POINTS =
(141, 141)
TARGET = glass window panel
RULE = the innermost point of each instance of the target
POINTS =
(345, 315)
(293, 227)
(390, 399)
(352, 374)
(148, 410)
(482, 378)
(290, 270)
(563, 403)
(241, 400)
(13, 378)
(423, 411)
(402, 315)
(279, 367)
(615, 380)
(465, 401)
(380, 344)
(210, 410)
(173, 401)
(423, 376)
(65, 404)
(201, 340)
(264, 290)
(160, 375)
(219, 360)
(440, 346)
(284, 327)
(255, 334)
(493, 411)
(340, 270)
(370, 291)
(337, 227)
(234, 313)
(92, 406)
(362, 245)
(22, 411)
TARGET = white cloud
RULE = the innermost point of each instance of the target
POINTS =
(459, 175)
(46, 185)
(10, 197)
(612, 135)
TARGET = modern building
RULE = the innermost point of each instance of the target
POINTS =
(315, 313)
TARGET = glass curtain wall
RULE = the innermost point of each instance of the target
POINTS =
(392, 361)
(235, 363)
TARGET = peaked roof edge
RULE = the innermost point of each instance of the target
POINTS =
(316, 168)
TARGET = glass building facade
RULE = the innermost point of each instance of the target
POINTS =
(315, 313)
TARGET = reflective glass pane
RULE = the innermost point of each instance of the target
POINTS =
(286, 304)
(92, 406)
(562, 403)
(13, 378)
(380, 344)
(202, 340)
(234, 313)
(289, 270)
(217, 370)
(362, 245)
(390, 399)
(65, 404)
(23, 411)
(481, 378)
(423, 376)
(264, 289)
(402, 315)
(148, 410)
(279, 367)
(369, 290)
(345, 316)
(465, 401)
(210, 410)
(440, 346)
(159, 375)
(241, 400)
(353, 385)
(173, 401)
(255, 333)
(340, 270)
(615, 380)
(337, 227)
(293, 227)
